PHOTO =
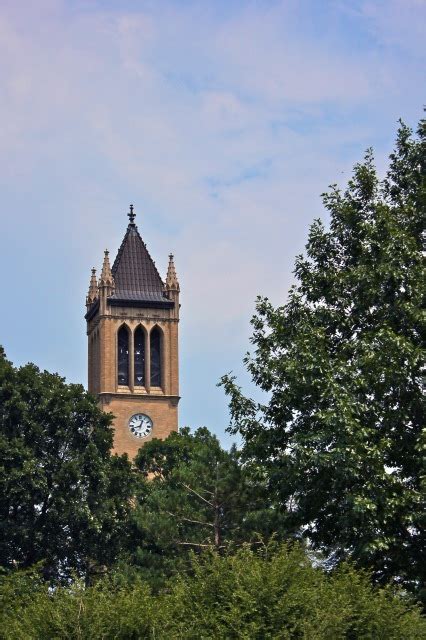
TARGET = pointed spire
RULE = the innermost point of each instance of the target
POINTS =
(172, 283)
(93, 288)
(106, 278)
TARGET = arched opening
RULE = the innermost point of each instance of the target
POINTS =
(139, 357)
(123, 356)
(155, 348)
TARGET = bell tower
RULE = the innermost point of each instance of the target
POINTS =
(132, 329)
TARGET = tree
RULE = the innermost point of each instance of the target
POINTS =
(194, 495)
(64, 499)
(270, 593)
(340, 436)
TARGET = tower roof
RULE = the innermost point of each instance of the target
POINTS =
(135, 274)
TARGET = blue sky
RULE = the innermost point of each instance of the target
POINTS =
(221, 121)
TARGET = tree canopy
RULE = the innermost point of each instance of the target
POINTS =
(340, 436)
(64, 499)
(268, 593)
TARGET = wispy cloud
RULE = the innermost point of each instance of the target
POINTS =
(221, 121)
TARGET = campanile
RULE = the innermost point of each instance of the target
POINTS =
(132, 328)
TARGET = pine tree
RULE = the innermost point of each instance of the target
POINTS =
(192, 496)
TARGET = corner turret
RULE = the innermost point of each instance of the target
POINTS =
(106, 282)
(172, 287)
(92, 294)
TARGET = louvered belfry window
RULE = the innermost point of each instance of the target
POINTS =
(155, 344)
(139, 342)
(123, 356)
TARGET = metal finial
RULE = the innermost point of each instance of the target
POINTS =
(131, 215)
(171, 256)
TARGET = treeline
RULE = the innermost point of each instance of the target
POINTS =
(195, 541)
(272, 593)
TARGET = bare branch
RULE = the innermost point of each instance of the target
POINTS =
(184, 519)
(198, 495)
(196, 544)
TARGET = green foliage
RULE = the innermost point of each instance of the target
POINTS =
(194, 495)
(32, 611)
(340, 438)
(273, 593)
(280, 595)
(64, 500)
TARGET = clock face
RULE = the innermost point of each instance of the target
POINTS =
(140, 425)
